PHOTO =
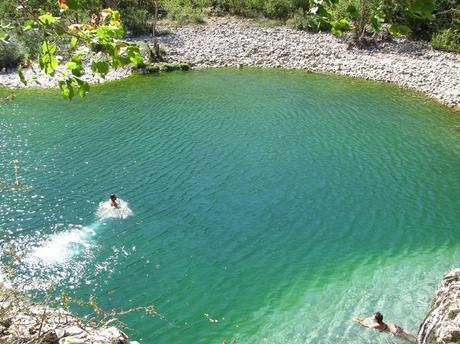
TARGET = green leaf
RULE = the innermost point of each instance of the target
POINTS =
(48, 48)
(134, 54)
(67, 88)
(376, 24)
(75, 66)
(422, 8)
(100, 67)
(83, 89)
(73, 42)
(60, 30)
(339, 26)
(47, 60)
(21, 75)
(352, 11)
(71, 65)
(48, 19)
(29, 25)
(396, 29)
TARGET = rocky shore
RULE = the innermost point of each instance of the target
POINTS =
(239, 42)
(22, 321)
(442, 323)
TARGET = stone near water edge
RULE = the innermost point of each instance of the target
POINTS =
(442, 323)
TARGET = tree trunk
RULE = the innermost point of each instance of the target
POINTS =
(156, 47)
(360, 33)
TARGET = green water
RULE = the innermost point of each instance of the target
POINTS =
(279, 203)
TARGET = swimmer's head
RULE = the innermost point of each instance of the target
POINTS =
(378, 317)
(113, 197)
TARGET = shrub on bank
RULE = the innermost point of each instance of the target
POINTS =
(302, 20)
(154, 68)
(135, 21)
(448, 40)
(11, 54)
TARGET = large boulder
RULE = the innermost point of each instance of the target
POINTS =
(442, 323)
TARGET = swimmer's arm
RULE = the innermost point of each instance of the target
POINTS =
(361, 321)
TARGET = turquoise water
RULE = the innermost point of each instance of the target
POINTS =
(279, 203)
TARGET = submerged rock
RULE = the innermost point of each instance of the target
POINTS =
(442, 323)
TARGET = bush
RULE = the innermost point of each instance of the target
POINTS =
(448, 40)
(305, 21)
(31, 44)
(135, 21)
(279, 9)
(299, 21)
(11, 54)
(184, 14)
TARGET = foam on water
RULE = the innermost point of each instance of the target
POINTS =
(69, 250)
(106, 211)
(63, 246)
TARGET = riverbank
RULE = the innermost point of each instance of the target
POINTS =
(239, 42)
(236, 42)
(22, 321)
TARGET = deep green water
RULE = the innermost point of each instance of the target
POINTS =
(279, 203)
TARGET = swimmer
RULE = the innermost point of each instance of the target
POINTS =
(376, 322)
(113, 201)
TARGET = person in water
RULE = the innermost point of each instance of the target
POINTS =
(376, 322)
(113, 201)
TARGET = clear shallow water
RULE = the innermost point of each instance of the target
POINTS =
(279, 203)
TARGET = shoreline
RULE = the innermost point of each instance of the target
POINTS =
(237, 42)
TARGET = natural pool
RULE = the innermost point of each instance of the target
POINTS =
(279, 203)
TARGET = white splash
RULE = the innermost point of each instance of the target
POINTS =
(61, 247)
(106, 211)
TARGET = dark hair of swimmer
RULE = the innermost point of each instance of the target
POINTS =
(378, 317)
(113, 196)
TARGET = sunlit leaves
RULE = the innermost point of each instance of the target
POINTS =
(73, 42)
(67, 88)
(29, 25)
(47, 19)
(134, 54)
(340, 26)
(102, 68)
(102, 32)
(75, 66)
(47, 60)
(399, 29)
(83, 88)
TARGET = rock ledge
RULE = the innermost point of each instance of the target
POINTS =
(442, 323)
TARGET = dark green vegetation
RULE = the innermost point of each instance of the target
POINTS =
(152, 68)
(66, 32)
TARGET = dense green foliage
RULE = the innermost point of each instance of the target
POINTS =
(11, 54)
(66, 31)
(448, 39)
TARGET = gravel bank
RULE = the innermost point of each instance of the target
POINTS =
(232, 42)
(240, 42)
